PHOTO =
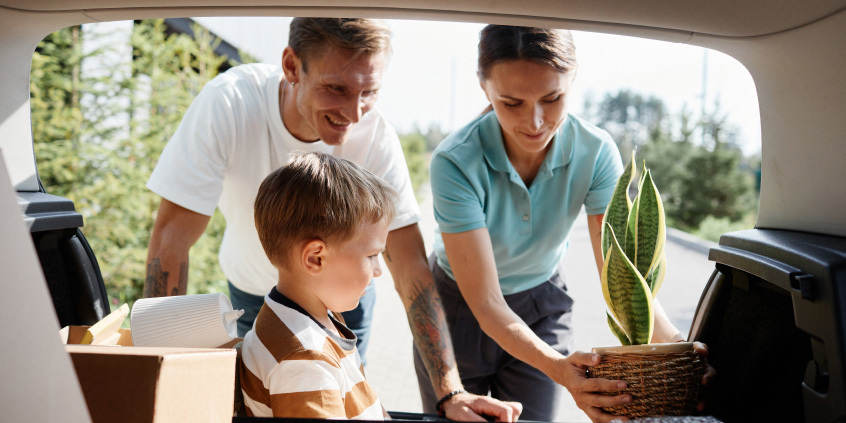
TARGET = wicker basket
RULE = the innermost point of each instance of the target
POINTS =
(660, 383)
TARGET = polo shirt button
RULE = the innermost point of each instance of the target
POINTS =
(525, 217)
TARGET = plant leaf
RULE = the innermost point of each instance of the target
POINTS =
(629, 243)
(617, 212)
(603, 279)
(655, 277)
(627, 294)
(617, 330)
(650, 229)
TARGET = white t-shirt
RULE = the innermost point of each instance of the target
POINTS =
(232, 137)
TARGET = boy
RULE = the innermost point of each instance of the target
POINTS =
(322, 222)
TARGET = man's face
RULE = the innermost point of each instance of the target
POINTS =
(332, 95)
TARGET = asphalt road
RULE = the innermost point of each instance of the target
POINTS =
(389, 360)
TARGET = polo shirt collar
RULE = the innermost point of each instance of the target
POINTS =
(493, 145)
(563, 145)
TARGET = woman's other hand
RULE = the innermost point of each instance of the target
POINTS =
(707, 378)
(587, 392)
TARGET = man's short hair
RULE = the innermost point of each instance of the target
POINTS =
(310, 37)
(317, 196)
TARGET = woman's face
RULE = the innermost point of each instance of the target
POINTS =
(530, 102)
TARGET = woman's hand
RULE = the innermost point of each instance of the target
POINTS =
(707, 378)
(587, 391)
(468, 407)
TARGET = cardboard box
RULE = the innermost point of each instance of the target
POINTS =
(142, 384)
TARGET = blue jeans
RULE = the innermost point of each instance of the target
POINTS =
(359, 319)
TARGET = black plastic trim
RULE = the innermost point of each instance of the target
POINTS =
(96, 289)
(763, 267)
(811, 270)
(46, 212)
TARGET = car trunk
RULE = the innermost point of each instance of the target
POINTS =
(70, 267)
(773, 318)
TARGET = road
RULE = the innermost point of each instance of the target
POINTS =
(390, 368)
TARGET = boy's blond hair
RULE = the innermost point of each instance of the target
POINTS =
(317, 196)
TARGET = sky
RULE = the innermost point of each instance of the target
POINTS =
(431, 77)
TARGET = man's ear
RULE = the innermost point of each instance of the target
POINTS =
(313, 256)
(291, 65)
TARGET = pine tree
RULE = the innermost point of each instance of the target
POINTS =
(696, 181)
(98, 135)
(712, 183)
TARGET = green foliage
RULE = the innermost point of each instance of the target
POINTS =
(632, 119)
(711, 185)
(417, 146)
(56, 117)
(628, 297)
(633, 239)
(434, 135)
(697, 180)
(414, 148)
(617, 212)
(99, 134)
(712, 228)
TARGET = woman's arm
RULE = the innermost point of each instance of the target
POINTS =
(471, 259)
(664, 329)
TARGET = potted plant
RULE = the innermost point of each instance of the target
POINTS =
(663, 379)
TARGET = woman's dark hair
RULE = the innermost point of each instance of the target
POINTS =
(550, 47)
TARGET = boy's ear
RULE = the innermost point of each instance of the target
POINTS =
(313, 256)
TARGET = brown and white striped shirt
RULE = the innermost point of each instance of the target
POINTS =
(292, 367)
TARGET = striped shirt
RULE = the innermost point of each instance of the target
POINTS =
(292, 367)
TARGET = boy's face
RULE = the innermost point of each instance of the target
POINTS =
(349, 266)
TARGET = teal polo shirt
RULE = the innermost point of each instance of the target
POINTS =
(475, 186)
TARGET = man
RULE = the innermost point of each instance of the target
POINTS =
(240, 128)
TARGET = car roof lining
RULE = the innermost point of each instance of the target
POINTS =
(729, 18)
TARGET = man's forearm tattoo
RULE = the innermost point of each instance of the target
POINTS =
(431, 334)
(156, 283)
(181, 287)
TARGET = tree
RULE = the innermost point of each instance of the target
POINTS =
(434, 135)
(711, 182)
(172, 69)
(414, 148)
(632, 119)
(57, 122)
(98, 137)
(696, 181)
(667, 155)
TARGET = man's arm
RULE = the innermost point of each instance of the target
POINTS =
(175, 231)
(405, 256)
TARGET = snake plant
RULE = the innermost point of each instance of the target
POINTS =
(633, 238)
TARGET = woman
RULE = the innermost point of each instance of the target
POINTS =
(507, 188)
